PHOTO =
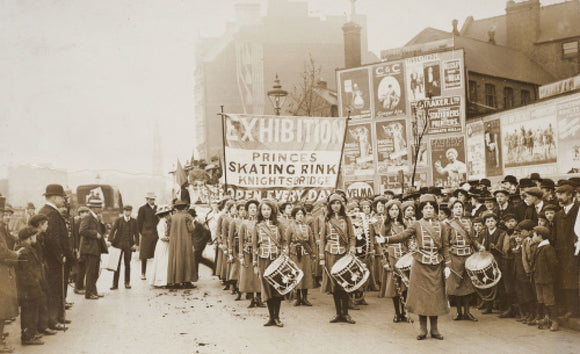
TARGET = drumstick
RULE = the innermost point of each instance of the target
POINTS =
(454, 272)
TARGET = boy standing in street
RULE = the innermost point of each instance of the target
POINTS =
(545, 266)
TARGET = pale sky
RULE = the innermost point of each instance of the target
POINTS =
(83, 83)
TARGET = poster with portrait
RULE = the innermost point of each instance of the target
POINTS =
(389, 89)
(354, 88)
(569, 135)
(448, 161)
(415, 79)
(452, 74)
(360, 189)
(528, 136)
(422, 156)
(358, 150)
(492, 141)
(392, 147)
(432, 75)
(475, 150)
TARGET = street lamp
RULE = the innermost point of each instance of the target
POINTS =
(277, 95)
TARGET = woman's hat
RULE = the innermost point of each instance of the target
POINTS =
(407, 204)
(334, 197)
(251, 201)
(164, 209)
(424, 198)
(392, 202)
(180, 203)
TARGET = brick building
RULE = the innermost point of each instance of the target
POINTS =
(237, 69)
(508, 57)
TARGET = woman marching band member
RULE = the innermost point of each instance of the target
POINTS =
(233, 247)
(336, 239)
(226, 226)
(364, 248)
(378, 217)
(461, 245)
(249, 280)
(268, 242)
(426, 294)
(408, 209)
(221, 238)
(394, 287)
(302, 244)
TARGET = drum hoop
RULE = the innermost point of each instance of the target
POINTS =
(275, 265)
(343, 263)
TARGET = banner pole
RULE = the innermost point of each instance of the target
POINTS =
(342, 149)
(225, 169)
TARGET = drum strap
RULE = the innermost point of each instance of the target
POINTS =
(340, 231)
(304, 240)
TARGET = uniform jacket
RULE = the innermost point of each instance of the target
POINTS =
(90, 228)
(545, 265)
(124, 234)
(347, 238)
(564, 239)
(56, 242)
(423, 231)
(29, 274)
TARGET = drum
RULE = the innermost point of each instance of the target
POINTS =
(283, 274)
(483, 270)
(350, 273)
(403, 268)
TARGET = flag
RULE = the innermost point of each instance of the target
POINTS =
(180, 175)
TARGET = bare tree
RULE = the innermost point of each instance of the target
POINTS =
(305, 98)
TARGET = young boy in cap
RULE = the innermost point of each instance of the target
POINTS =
(30, 290)
(526, 298)
(507, 267)
(545, 267)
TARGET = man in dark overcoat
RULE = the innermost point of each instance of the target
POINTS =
(92, 232)
(147, 224)
(56, 251)
(564, 239)
(124, 235)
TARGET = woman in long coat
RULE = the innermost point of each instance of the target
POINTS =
(394, 287)
(233, 247)
(158, 277)
(461, 245)
(336, 240)
(181, 263)
(8, 292)
(231, 213)
(426, 295)
(302, 245)
(268, 242)
(249, 280)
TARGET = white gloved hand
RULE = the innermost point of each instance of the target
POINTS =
(577, 250)
(447, 272)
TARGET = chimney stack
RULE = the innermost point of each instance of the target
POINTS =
(454, 24)
(522, 24)
(352, 39)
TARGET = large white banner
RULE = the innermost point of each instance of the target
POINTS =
(282, 153)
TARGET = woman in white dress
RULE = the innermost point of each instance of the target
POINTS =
(158, 277)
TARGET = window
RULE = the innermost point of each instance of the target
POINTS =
(490, 98)
(508, 97)
(472, 91)
(525, 97)
(570, 50)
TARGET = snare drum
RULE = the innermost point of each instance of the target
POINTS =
(483, 270)
(283, 274)
(350, 273)
(403, 268)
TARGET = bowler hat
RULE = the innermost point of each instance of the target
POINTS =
(511, 179)
(526, 182)
(54, 189)
(501, 190)
(535, 177)
(547, 184)
(486, 182)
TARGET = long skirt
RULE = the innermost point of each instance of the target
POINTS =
(181, 262)
(218, 262)
(249, 280)
(305, 264)
(158, 268)
(224, 266)
(235, 269)
(426, 295)
(329, 285)
(394, 285)
(371, 284)
(268, 291)
(459, 282)
(147, 245)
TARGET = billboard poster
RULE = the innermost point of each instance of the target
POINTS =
(415, 80)
(444, 115)
(355, 93)
(393, 182)
(389, 89)
(448, 159)
(569, 135)
(282, 153)
(358, 151)
(392, 147)
(492, 140)
(452, 74)
(432, 75)
(423, 156)
(529, 137)
(475, 150)
(360, 189)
